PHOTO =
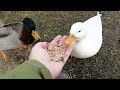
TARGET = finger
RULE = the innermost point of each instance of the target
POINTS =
(56, 39)
(62, 40)
(68, 52)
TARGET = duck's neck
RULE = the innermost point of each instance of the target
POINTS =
(26, 37)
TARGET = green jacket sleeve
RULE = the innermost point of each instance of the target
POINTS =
(30, 69)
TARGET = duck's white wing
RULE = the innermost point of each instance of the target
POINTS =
(94, 24)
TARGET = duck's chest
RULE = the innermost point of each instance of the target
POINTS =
(26, 38)
(86, 48)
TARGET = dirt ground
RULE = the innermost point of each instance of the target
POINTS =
(104, 65)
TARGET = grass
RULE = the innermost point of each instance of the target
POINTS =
(104, 65)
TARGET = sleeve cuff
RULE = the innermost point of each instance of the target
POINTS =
(45, 73)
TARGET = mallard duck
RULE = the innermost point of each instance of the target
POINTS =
(86, 37)
(17, 35)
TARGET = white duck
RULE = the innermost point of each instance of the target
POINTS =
(86, 37)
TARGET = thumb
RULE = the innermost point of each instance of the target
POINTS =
(41, 44)
(68, 52)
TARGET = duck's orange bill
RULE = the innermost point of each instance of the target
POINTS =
(70, 39)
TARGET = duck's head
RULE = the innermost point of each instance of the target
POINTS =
(30, 28)
(77, 33)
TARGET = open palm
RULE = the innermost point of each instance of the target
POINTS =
(40, 54)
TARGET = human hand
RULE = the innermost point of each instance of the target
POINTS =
(40, 54)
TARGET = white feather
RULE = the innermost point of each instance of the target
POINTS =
(90, 37)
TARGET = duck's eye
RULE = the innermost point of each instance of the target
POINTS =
(79, 31)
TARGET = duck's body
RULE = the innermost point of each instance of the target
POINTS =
(89, 37)
(9, 38)
(86, 48)
(14, 35)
